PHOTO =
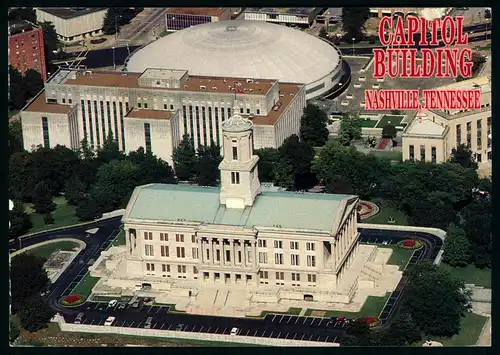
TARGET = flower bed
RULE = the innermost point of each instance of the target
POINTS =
(72, 300)
(372, 321)
(410, 244)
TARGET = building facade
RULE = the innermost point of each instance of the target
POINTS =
(432, 136)
(172, 102)
(296, 16)
(267, 246)
(404, 11)
(179, 18)
(73, 24)
(26, 48)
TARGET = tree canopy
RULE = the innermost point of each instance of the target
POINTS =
(350, 128)
(353, 22)
(463, 155)
(268, 157)
(313, 126)
(184, 158)
(457, 251)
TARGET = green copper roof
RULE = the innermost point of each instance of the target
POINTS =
(201, 204)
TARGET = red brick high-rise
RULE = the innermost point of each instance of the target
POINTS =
(26, 49)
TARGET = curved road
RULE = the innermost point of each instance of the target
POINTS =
(275, 326)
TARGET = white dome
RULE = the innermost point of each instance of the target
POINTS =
(244, 49)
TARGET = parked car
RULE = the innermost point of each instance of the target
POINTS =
(109, 320)
(235, 331)
(121, 306)
(179, 327)
(112, 303)
(147, 324)
(78, 319)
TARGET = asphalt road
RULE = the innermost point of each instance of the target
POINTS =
(274, 325)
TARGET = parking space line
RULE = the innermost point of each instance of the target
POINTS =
(303, 335)
(216, 329)
(256, 333)
(326, 340)
(262, 333)
(162, 326)
(209, 329)
(321, 321)
(92, 322)
(131, 324)
(271, 334)
(297, 320)
(304, 322)
(169, 326)
(159, 309)
(149, 310)
(248, 332)
(311, 337)
(281, 319)
(289, 319)
(279, 334)
(334, 339)
(286, 336)
(272, 320)
(224, 330)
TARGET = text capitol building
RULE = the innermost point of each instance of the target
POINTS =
(154, 109)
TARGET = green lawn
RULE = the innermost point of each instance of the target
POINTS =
(470, 329)
(386, 211)
(13, 113)
(399, 256)
(372, 308)
(119, 240)
(471, 274)
(368, 123)
(391, 155)
(64, 215)
(390, 119)
(46, 250)
(84, 287)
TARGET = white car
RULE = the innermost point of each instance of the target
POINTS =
(109, 320)
(234, 331)
(112, 303)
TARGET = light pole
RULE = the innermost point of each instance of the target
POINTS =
(116, 25)
(114, 63)
(353, 39)
(486, 32)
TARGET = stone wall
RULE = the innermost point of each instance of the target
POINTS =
(83, 328)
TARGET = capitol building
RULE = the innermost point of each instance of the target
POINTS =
(241, 246)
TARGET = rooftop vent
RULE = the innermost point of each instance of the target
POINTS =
(87, 72)
(214, 87)
(231, 28)
(291, 94)
(282, 95)
(249, 80)
(203, 87)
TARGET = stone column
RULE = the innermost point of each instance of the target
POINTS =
(200, 250)
(212, 257)
(244, 251)
(254, 257)
(233, 252)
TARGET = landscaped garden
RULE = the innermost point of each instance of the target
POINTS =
(390, 119)
(368, 123)
(399, 256)
(387, 215)
(64, 215)
(470, 274)
(119, 240)
(371, 308)
(85, 286)
(46, 250)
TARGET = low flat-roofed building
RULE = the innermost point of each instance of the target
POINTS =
(432, 135)
(73, 23)
(404, 11)
(179, 18)
(170, 102)
(300, 16)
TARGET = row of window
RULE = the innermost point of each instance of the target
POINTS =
(468, 126)
(294, 259)
(164, 237)
(295, 277)
(166, 270)
(278, 244)
(422, 153)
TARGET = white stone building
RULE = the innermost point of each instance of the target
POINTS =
(241, 246)
(73, 24)
(91, 104)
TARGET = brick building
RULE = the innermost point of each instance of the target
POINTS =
(26, 49)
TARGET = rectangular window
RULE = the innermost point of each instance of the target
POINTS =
(311, 278)
(217, 255)
(479, 158)
(179, 238)
(228, 255)
(115, 117)
(191, 122)
(262, 243)
(91, 126)
(264, 275)
(433, 154)
(110, 126)
(149, 251)
(412, 152)
(198, 130)
(488, 124)
(263, 258)
(97, 131)
(216, 110)
(204, 123)
(235, 178)
(163, 237)
(459, 134)
(278, 244)
(422, 153)
(210, 125)
(193, 238)
(278, 259)
(147, 137)
(164, 106)
(194, 253)
(195, 270)
(165, 251)
(311, 260)
(258, 111)
(103, 120)
(45, 129)
(295, 276)
(294, 245)
(165, 268)
(181, 253)
(120, 106)
(184, 119)
(280, 275)
(310, 246)
(150, 267)
(295, 259)
(239, 256)
(181, 269)
(148, 235)
(82, 102)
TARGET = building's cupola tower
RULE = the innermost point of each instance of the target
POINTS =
(238, 169)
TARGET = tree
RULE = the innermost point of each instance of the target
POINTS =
(27, 278)
(464, 156)
(35, 314)
(109, 150)
(350, 128)
(487, 14)
(337, 184)
(74, 190)
(16, 90)
(476, 222)
(457, 251)
(15, 137)
(477, 60)
(32, 83)
(42, 199)
(323, 33)
(87, 210)
(115, 17)
(435, 300)
(19, 219)
(48, 219)
(435, 210)
(353, 21)
(403, 330)
(389, 131)
(50, 40)
(268, 158)
(14, 330)
(207, 165)
(22, 175)
(22, 13)
(153, 169)
(293, 169)
(184, 158)
(313, 126)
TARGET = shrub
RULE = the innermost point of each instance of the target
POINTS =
(72, 300)
(410, 244)
(372, 321)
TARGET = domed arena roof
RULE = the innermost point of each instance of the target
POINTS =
(241, 48)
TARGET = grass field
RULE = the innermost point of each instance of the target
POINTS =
(387, 154)
(64, 215)
(368, 123)
(84, 287)
(470, 329)
(372, 308)
(399, 256)
(470, 274)
(390, 119)
(119, 240)
(46, 250)
(385, 212)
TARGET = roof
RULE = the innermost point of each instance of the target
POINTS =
(19, 26)
(241, 49)
(193, 83)
(70, 12)
(150, 114)
(286, 210)
(299, 11)
(40, 105)
(199, 11)
(425, 126)
(287, 94)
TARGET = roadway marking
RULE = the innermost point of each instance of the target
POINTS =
(92, 322)
(303, 335)
(224, 331)
(209, 329)
(281, 319)
(326, 340)
(159, 309)
(256, 333)
(306, 318)
(311, 337)
(149, 310)
(162, 326)
(321, 321)
(334, 339)
(216, 329)
(271, 334)
(169, 326)
(247, 332)
(200, 329)
(279, 334)
(131, 324)
(262, 333)
(123, 323)
(272, 320)
(294, 336)
(289, 320)
(297, 320)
